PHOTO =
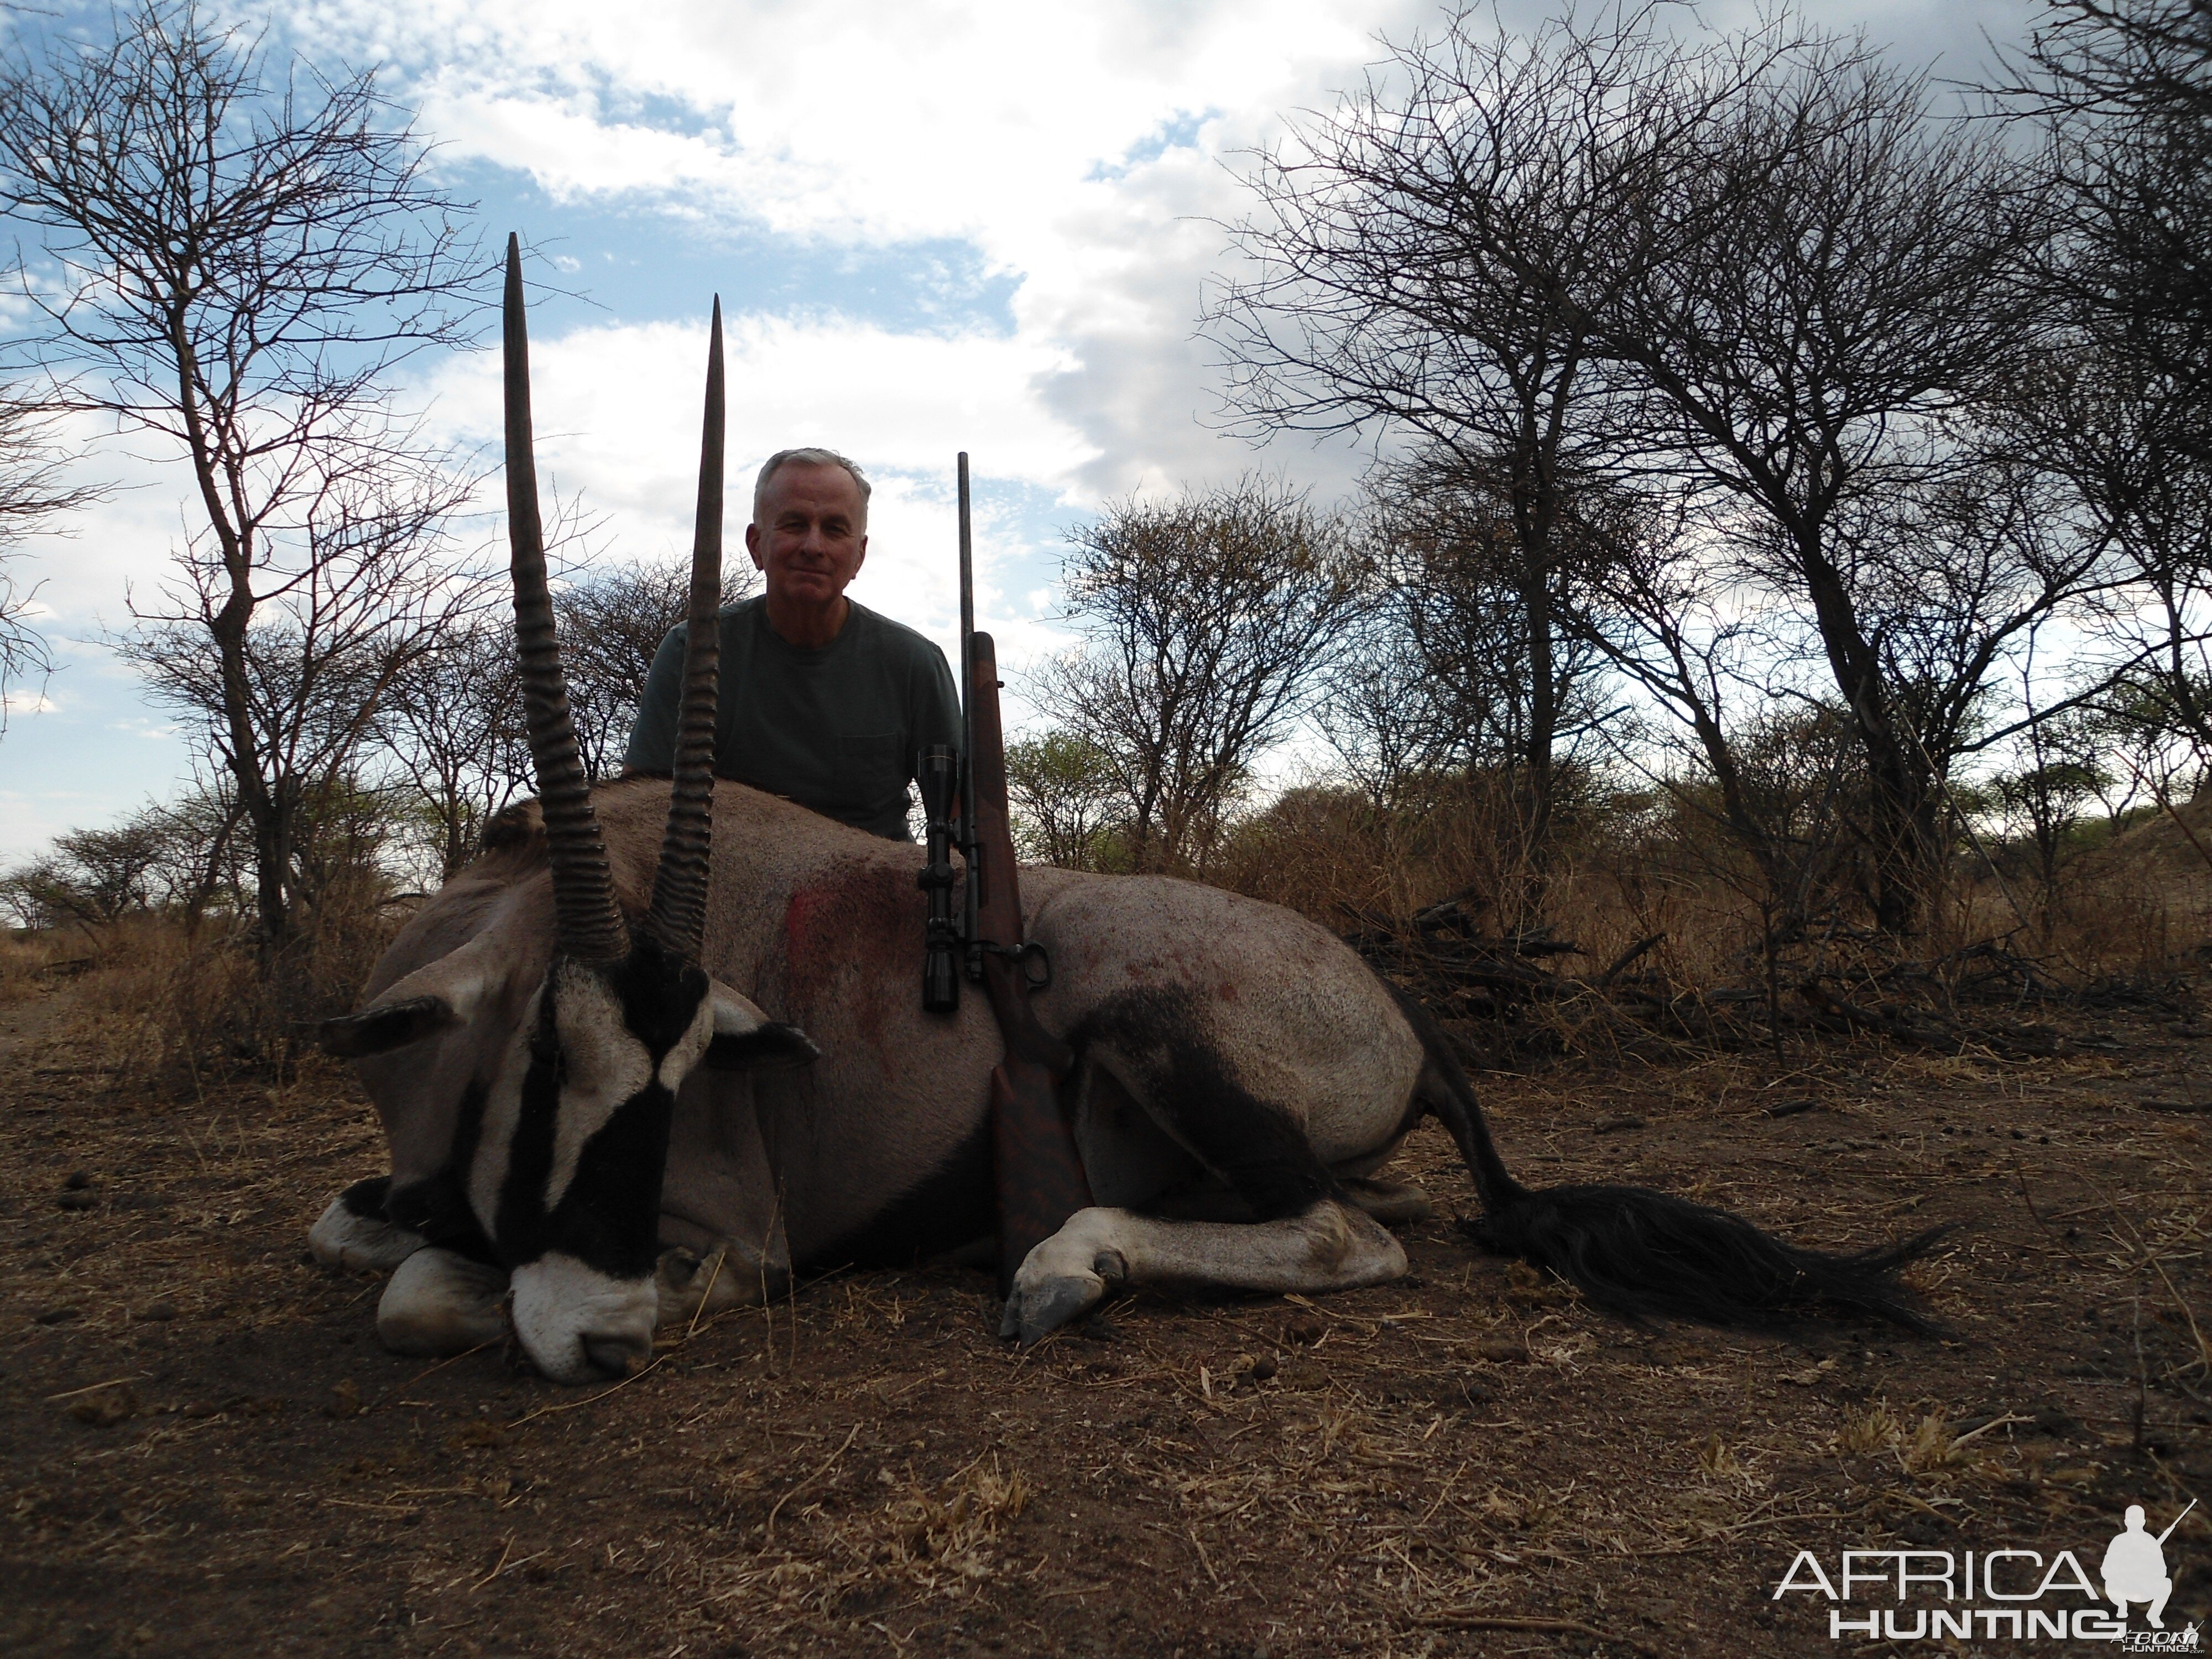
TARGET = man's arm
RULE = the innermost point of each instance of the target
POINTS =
(652, 735)
(936, 706)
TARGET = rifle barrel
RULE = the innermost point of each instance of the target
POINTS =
(968, 724)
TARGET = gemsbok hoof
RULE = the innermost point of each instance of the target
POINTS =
(1061, 1280)
(352, 1235)
(439, 1303)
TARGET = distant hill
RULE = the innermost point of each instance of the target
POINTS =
(2158, 846)
(2147, 892)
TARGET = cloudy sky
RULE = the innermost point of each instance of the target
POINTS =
(933, 227)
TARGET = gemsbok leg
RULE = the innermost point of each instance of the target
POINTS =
(1331, 1245)
(1248, 1121)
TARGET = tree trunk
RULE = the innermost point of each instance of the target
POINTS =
(1903, 826)
(1535, 497)
(264, 809)
(1535, 585)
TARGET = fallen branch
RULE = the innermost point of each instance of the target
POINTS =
(2012, 1041)
(1621, 962)
(1869, 1019)
(1500, 1002)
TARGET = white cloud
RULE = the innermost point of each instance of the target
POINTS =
(1083, 151)
(874, 122)
(618, 406)
(1077, 149)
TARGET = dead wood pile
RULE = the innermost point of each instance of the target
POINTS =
(1508, 999)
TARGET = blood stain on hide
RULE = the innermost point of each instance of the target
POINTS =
(840, 933)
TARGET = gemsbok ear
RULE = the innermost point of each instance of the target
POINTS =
(745, 1039)
(444, 993)
(387, 1026)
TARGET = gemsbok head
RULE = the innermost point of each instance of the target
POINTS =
(564, 1170)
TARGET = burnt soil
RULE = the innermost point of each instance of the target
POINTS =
(206, 1452)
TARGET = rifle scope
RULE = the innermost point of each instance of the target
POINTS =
(938, 770)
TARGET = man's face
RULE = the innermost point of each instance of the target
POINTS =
(810, 541)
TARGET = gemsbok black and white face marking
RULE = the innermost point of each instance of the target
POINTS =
(566, 1161)
(566, 1176)
(566, 1180)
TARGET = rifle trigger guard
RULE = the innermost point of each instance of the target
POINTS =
(1030, 958)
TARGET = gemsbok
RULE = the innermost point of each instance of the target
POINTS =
(661, 1044)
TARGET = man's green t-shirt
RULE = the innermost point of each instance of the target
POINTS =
(836, 729)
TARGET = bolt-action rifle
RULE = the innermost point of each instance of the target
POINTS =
(1039, 1172)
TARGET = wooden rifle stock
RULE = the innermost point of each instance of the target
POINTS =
(1039, 1171)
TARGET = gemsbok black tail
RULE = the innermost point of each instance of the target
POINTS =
(1644, 1254)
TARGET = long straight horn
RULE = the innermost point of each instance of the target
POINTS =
(678, 917)
(588, 922)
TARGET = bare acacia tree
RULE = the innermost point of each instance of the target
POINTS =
(1381, 710)
(1665, 627)
(1062, 790)
(2098, 424)
(92, 876)
(202, 866)
(237, 258)
(1466, 658)
(1757, 263)
(1765, 785)
(2124, 97)
(611, 621)
(345, 618)
(451, 727)
(2124, 94)
(1955, 577)
(2059, 769)
(1856, 271)
(1427, 259)
(1203, 616)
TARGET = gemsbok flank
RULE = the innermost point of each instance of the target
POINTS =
(603, 1114)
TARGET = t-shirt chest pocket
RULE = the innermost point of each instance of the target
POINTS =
(871, 765)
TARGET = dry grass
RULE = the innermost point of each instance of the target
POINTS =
(2132, 926)
(29, 963)
(180, 1010)
(2132, 908)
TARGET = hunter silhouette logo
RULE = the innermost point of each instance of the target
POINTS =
(2135, 1567)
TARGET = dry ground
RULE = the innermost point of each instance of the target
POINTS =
(206, 1452)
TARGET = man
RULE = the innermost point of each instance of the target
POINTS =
(822, 699)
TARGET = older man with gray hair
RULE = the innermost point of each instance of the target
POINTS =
(822, 701)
